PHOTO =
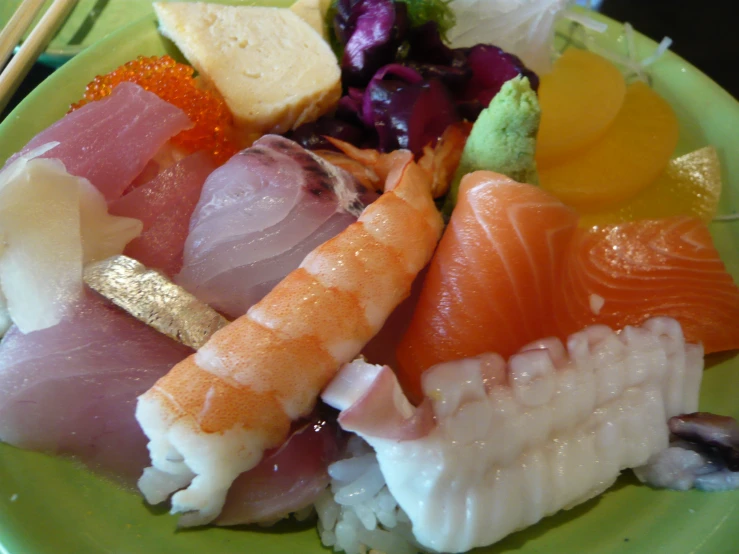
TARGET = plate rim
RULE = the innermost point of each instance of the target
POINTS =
(50, 82)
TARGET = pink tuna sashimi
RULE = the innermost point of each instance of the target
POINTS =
(287, 480)
(165, 205)
(71, 389)
(110, 141)
(258, 217)
(103, 358)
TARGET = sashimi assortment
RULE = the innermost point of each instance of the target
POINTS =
(448, 304)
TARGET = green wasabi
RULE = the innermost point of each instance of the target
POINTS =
(503, 139)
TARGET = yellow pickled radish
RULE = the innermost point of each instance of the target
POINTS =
(625, 160)
(579, 100)
(690, 185)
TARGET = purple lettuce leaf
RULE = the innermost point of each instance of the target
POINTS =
(491, 67)
(312, 135)
(410, 115)
(381, 26)
(425, 45)
(399, 73)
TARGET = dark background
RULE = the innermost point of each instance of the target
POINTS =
(706, 33)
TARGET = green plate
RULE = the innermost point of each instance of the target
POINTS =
(50, 506)
(89, 22)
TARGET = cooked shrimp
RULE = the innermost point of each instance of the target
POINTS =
(380, 163)
(371, 167)
(361, 172)
(441, 161)
(214, 414)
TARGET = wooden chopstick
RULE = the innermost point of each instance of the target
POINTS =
(14, 29)
(32, 47)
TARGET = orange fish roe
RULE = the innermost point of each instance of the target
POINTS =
(173, 82)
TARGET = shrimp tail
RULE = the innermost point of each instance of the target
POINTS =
(215, 413)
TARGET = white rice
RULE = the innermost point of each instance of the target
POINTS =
(357, 514)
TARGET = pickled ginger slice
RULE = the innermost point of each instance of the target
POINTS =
(519, 440)
(51, 223)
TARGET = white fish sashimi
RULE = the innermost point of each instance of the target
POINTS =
(257, 218)
(553, 429)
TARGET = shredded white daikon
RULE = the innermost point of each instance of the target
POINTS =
(526, 28)
(630, 64)
(726, 218)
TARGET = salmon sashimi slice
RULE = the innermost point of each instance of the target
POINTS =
(623, 274)
(490, 282)
(512, 267)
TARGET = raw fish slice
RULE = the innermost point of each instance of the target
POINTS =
(382, 348)
(491, 280)
(512, 266)
(164, 205)
(226, 291)
(286, 480)
(257, 218)
(109, 142)
(71, 389)
(663, 267)
(514, 442)
(103, 359)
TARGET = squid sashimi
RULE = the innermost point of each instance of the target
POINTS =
(497, 445)
(141, 122)
(258, 216)
(164, 205)
(71, 390)
(214, 414)
(513, 267)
